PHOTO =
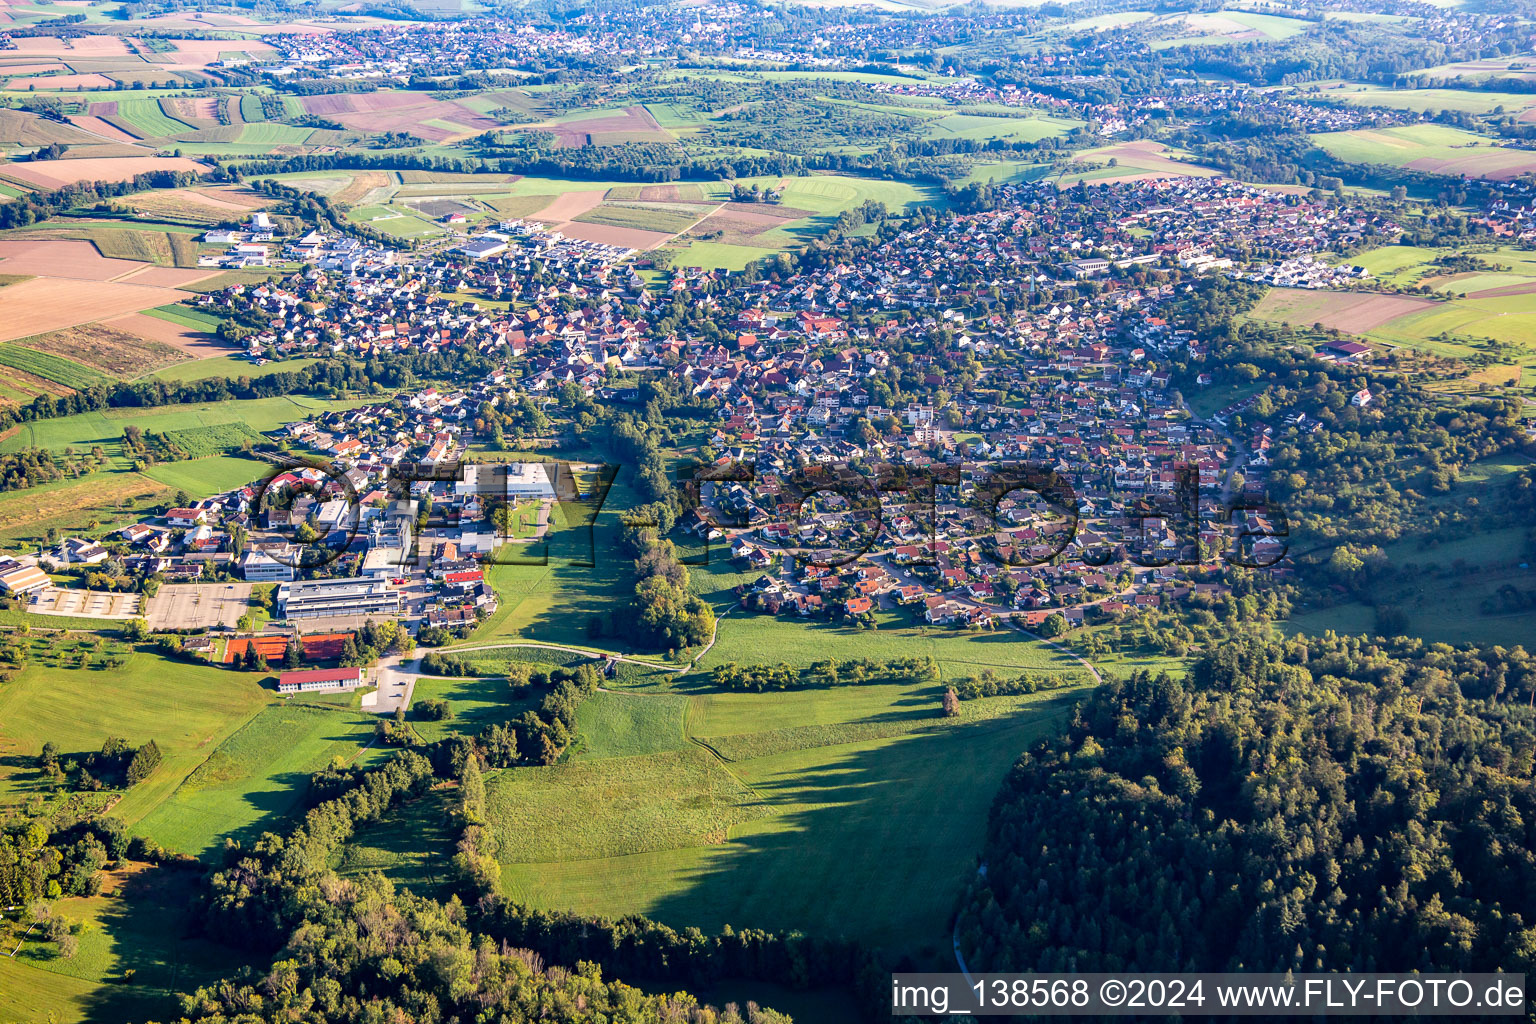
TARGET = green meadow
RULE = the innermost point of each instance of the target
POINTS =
(853, 811)
(215, 475)
(257, 777)
(1433, 147)
(187, 709)
(105, 427)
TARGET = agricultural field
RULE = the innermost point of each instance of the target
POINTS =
(1439, 149)
(56, 368)
(101, 351)
(1354, 312)
(1430, 101)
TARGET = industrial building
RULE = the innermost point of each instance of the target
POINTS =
(320, 599)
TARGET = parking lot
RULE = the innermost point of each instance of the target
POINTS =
(90, 604)
(198, 605)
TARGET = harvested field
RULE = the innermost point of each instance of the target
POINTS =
(31, 68)
(106, 348)
(668, 218)
(517, 206)
(58, 173)
(81, 46)
(234, 197)
(168, 277)
(1143, 160)
(446, 177)
(1496, 163)
(180, 205)
(140, 247)
(734, 228)
(66, 258)
(1508, 289)
(361, 184)
(187, 340)
(767, 213)
(193, 109)
(570, 205)
(23, 129)
(629, 237)
(1354, 312)
(95, 125)
(400, 111)
(46, 304)
(68, 82)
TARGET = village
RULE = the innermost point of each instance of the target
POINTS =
(1027, 334)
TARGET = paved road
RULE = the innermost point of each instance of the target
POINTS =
(395, 676)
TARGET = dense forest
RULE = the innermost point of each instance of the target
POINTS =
(1312, 804)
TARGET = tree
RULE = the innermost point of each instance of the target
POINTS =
(293, 653)
(1054, 625)
(951, 703)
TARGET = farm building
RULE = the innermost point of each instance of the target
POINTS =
(311, 680)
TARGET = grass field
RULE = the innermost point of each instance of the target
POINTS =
(142, 922)
(229, 366)
(144, 117)
(850, 811)
(625, 725)
(1437, 148)
(186, 316)
(257, 777)
(106, 427)
(213, 475)
(1470, 101)
(751, 639)
(187, 709)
